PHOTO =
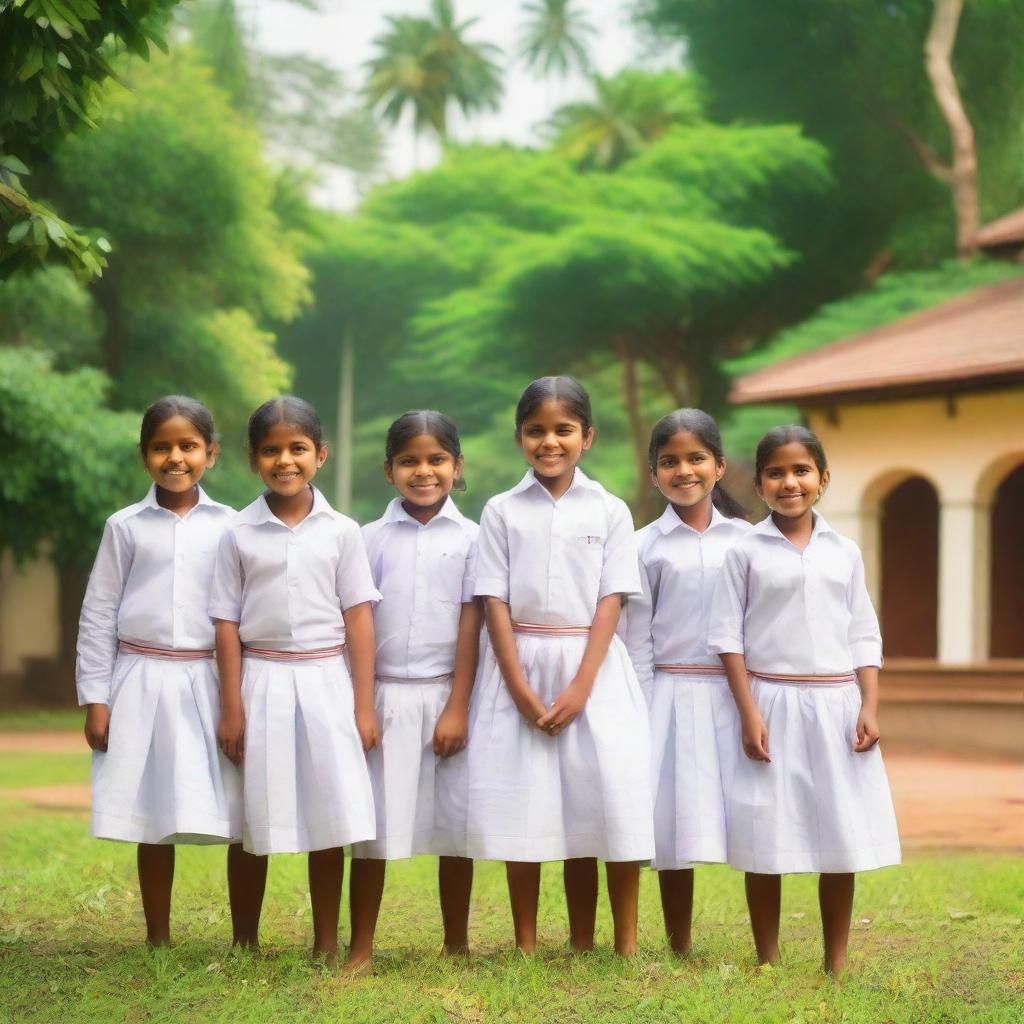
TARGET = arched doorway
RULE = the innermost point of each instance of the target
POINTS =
(1006, 596)
(909, 563)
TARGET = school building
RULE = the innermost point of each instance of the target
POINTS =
(923, 423)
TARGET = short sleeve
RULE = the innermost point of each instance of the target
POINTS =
(226, 589)
(620, 572)
(729, 605)
(354, 581)
(469, 574)
(97, 625)
(635, 630)
(864, 636)
(492, 565)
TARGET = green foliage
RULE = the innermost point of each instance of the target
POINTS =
(54, 57)
(426, 64)
(301, 104)
(630, 110)
(556, 37)
(68, 459)
(51, 311)
(851, 72)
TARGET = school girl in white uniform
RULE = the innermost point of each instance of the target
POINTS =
(559, 742)
(694, 723)
(427, 629)
(292, 590)
(794, 626)
(145, 668)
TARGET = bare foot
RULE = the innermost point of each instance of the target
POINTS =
(327, 957)
(357, 963)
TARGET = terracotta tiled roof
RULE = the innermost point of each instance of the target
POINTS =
(976, 339)
(1008, 230)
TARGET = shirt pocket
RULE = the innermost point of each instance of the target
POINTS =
(446, 572)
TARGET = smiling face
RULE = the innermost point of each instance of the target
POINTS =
(553, 441)
(177, 455)
(790, 482)
(287, 459)
(686, 471)
(423, 473)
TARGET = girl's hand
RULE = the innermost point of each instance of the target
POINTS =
(867, 731)
(368, 727)
(755, 737)
(565, 708)
(451, 731)
(231, 733)
(97, 726)
(530, 706)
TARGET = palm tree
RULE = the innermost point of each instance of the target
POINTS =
(426, 63)
(556, 37)
(630, 109)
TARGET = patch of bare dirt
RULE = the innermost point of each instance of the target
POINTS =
(45, 741)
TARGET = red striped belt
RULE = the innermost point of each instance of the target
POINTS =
(779, 677)
(536, 629)
(162, 652)
(691, 670)
(272, 655)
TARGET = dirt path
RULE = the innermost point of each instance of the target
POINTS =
(941, 802)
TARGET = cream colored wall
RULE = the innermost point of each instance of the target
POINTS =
(965, 447)
(29, 622)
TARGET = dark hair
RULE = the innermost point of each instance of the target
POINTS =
(296, 412)
(566, 390)
(705, 429)
(169, 406)
(788, 434)
(424, 421)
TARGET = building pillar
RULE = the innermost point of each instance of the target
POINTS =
(962, 582)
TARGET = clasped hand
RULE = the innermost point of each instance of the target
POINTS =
(565, 708)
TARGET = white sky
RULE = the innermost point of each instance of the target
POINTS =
(342, 34)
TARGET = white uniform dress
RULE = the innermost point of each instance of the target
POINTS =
(162, 778)
(694, 723)
(305, 783)
(585, 792)
(818, 806)
(424, 574)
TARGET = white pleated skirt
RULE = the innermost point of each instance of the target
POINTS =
(695, 741)
(162, 778)
(818, 806)
(420, 798)
(583, 793)
(305, 783)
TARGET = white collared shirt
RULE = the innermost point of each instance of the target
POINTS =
(285, 586)
(552, 561)
(150, 584)
(424, 573)
(668, 623)
(795, 612)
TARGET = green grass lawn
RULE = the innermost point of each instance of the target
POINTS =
(939, 939)
(30, 719)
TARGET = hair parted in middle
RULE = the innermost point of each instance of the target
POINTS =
(430, 422)
(568, 391)
(788, 433)
(296, 412)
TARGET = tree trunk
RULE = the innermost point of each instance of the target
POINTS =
(962, 175)
(346, 419)
(643, 500)
(113, 342)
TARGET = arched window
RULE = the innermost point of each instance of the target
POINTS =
(1006, 630)
(909, 562)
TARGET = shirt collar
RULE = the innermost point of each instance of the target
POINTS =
(395, 513)
(579, 479)
(149, 501)
(258, 512)
(669, 520)
(769, 529)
